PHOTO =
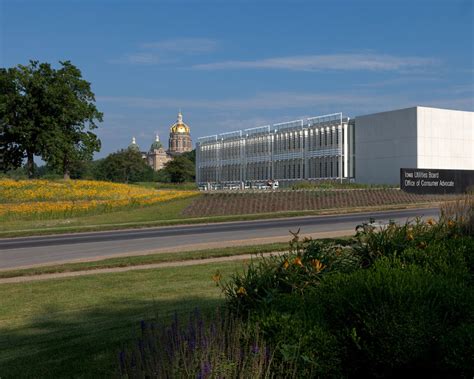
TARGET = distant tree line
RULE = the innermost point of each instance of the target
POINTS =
(123, 166)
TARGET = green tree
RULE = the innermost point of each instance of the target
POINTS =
(180, 169)
(124, 166)
(23, 98)
(48, 113)
(73, 104)
(10, 157)
(191, 155)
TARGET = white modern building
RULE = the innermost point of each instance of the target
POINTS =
(367, 149)
(418, 137)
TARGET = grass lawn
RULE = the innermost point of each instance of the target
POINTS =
(75, 327)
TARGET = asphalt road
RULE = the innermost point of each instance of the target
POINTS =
(31, 251)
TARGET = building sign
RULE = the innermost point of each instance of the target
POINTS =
(434, 181)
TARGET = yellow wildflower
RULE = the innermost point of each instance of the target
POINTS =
(430, 222)
(241, 291)
(410, 236)
(451, 223)
(286, 263)
(60, 199)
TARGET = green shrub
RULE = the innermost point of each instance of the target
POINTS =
(373, 243)
(458, 349)
(391, 317)
(450, 257)
(393, 301)
(291, 273)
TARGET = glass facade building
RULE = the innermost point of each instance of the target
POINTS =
(312, 149)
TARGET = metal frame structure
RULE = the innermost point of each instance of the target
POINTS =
(317, 148)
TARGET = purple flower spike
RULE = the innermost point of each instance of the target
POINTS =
(206, 369)
(122, 360)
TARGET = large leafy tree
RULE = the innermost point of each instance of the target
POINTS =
(24, 113)
(72, 102)
(10, 155)
(48, 113)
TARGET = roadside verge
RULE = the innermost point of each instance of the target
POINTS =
(189, 262)
(206, 220)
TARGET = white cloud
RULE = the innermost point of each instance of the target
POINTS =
(346, 62)
(165, 52)
(399, 81)
(143, 58)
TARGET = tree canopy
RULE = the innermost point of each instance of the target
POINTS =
(124, 166)
(179, 170)
(49, 113)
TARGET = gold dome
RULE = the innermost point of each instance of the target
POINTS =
(180, 126)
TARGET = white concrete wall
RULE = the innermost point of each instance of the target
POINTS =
(418, 137)
(385, 142)
(445, 139)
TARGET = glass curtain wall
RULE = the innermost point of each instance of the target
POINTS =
(313, 149)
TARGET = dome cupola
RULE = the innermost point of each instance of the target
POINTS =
(179, 126)
(134, 146)
(180, 137)
(157, 144)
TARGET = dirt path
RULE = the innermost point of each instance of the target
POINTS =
(191, 262)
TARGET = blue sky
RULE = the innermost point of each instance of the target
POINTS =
(239, 64)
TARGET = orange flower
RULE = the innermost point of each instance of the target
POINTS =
(297, 262)
(317, 265)
(241, 291)
(451, 223)
(217, 277)
(430, 222)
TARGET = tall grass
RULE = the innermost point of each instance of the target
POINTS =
(461, 211)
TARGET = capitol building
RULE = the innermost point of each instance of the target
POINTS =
(179, 142)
